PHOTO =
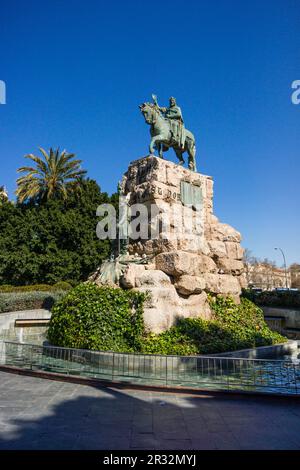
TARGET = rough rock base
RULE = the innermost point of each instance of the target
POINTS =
(183, 266)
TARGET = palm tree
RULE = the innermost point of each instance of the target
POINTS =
(51, 177)
(3, 194)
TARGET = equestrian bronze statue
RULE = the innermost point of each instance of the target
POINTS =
(167, 130)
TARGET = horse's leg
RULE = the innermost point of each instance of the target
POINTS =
(179, 156)
(160, 150)
(152, 146)
(155, 143)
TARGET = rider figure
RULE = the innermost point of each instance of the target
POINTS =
(174, 115)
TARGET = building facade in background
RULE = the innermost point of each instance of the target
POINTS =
(267, 276)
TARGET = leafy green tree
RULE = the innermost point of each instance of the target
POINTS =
(295, 275)
(54, 240)
(52, 176)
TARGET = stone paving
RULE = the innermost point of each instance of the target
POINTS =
(42, 414)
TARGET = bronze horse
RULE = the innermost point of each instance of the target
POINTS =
(162, 136)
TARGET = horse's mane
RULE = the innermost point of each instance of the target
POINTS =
(153, 106)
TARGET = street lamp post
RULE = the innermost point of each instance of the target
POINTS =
(285, 269)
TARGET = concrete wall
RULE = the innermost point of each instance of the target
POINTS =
(292, 316)
(34, 334)
(264, 352)
(8, 318)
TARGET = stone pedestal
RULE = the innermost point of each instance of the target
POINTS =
(183, 252)
(193, 253)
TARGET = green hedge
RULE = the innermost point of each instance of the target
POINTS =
(16, 301)
(284, 299)
(98, 318)
(233, 327)
(59, 286)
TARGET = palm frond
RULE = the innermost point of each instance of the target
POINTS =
(50, 177)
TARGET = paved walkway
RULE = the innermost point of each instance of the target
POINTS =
(41, 414)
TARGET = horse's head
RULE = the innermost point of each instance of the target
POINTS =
(148, 111)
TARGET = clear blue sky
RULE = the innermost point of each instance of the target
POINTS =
(77, 70)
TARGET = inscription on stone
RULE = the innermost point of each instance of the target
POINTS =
(155, 190)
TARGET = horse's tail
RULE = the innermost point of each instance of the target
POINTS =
(191, 138)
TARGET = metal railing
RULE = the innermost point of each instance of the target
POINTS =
(197, 372)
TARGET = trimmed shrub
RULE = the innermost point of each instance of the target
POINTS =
(61, 286)
(284, 299)
(16, 301)
(98, 318)
(34, 288)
